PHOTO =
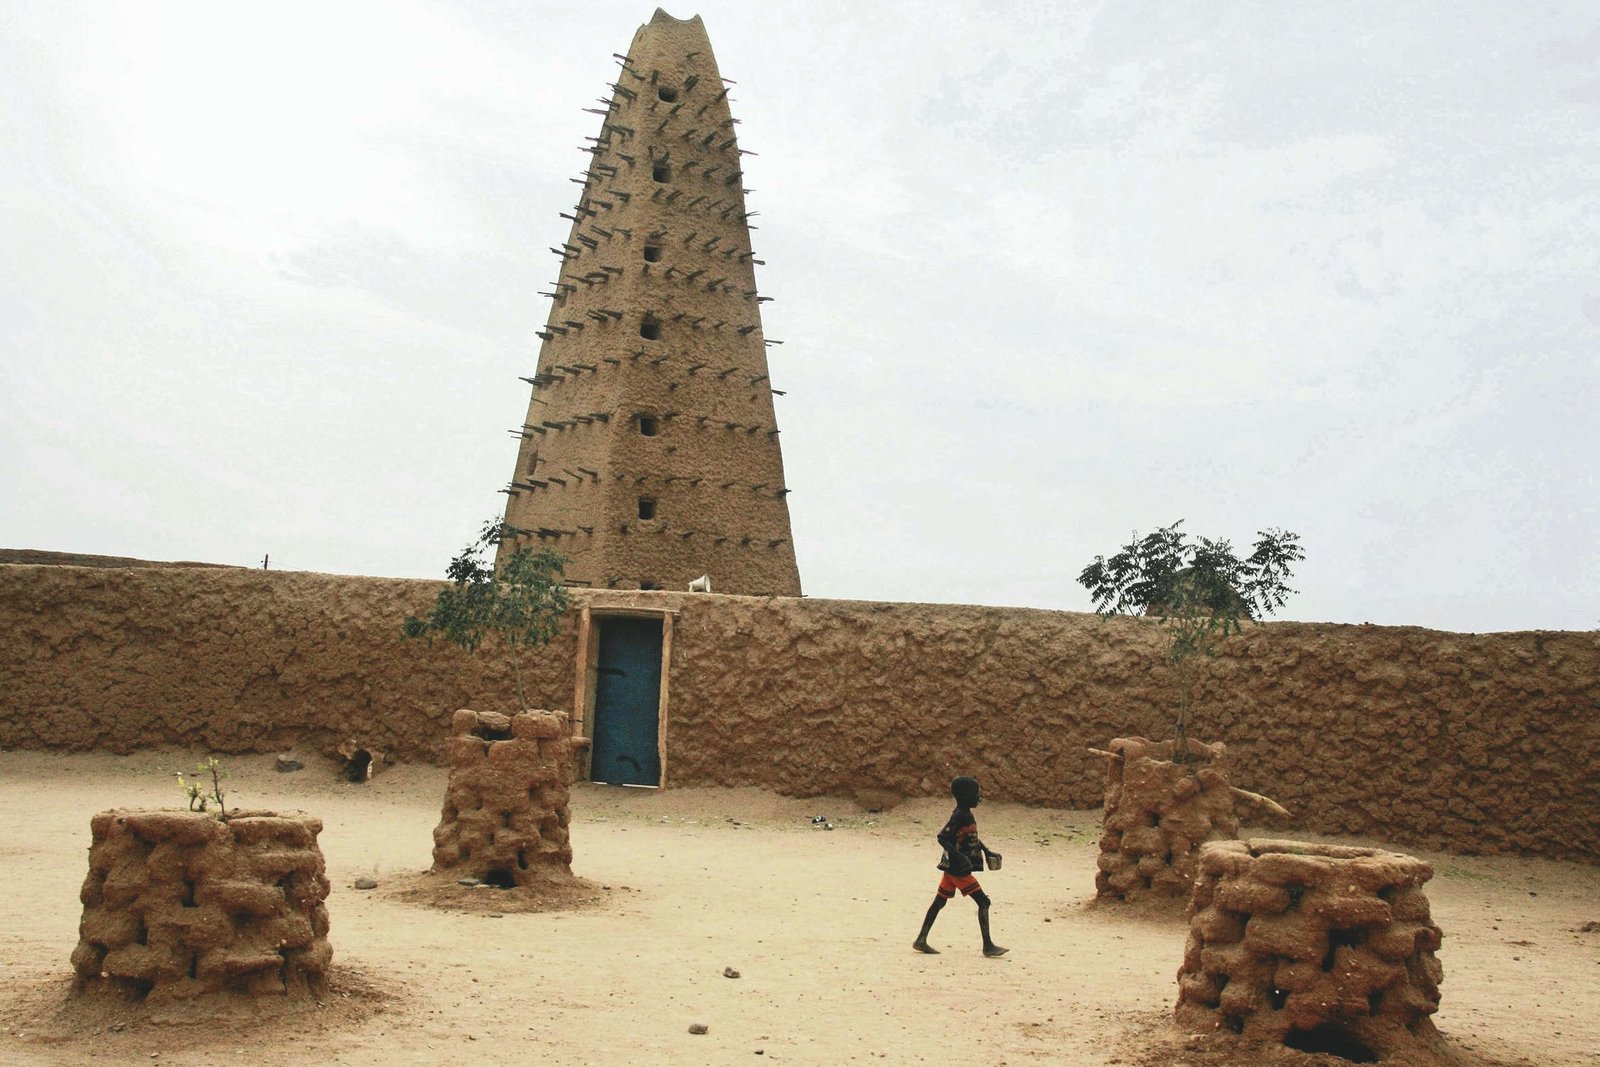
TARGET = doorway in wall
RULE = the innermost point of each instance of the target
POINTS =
(627, 699)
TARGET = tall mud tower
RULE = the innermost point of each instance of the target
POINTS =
(650, 452)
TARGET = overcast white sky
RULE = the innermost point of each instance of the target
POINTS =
(1046, 274)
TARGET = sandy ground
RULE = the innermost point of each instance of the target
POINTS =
(681, 884)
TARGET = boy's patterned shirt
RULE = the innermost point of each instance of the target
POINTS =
(960, 834)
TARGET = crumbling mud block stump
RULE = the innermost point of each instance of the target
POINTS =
(1322, 948)
(179, 904)
(507, 803)
(1157, 815)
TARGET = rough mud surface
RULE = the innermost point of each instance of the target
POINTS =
(179, 904)
(1157, 815)
(1476, 742)
(506, 805)
(1313, 946)
(689, 882)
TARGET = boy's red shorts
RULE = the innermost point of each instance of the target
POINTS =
(950, 883)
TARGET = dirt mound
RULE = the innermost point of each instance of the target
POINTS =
(547, 892)
(50, 1012)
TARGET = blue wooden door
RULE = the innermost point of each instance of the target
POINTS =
(627, 696)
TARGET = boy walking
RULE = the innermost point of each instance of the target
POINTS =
(964, 853)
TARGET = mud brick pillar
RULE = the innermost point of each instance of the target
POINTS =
(1157, 815)
(507, 803)
(1322, 948)
(180, 904)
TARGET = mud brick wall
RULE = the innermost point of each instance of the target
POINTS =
(237, 661)
(506, 806)
(1311, 944)
(1477, 742)
(178, 904)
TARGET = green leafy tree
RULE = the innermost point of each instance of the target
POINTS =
(1198, 590)
(518, 604)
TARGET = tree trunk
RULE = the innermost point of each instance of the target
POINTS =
(516, 680)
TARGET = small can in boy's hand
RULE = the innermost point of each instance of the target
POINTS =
(992, 860)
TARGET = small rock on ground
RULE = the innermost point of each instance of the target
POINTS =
(729, 972)
(286, 763)
(698, 1028)
(365, 883)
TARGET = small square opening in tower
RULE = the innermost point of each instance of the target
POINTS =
(661, 172)
(650, 328)
(647, 507)
(652, 253)
(649, 425)
(667, 93)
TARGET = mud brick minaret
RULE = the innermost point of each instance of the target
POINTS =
(650, 452)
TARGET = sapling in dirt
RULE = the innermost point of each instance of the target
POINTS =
(200, 798)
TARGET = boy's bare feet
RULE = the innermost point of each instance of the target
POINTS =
(923, 946)
(994, 950)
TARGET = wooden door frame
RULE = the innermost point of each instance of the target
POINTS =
(584, 676)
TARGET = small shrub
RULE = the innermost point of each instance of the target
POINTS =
(519, 603)
(194, 789)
